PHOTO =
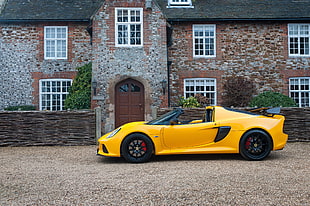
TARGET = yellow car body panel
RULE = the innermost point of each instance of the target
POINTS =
(221, 134)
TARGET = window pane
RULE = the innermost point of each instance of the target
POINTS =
(122, 34)
(304, 99)
(180, 2)
(293, 29)
(53, 94)
(135, 35)
(135, 16)
(50, 48)
(135, 88)
(61, 33)
(202, 86)
(293, 45)
(204, 40)
(129, 26)
(50, 33)
(55, 42)
(299, 36)
(304, 30)
(300, 91)
(124, 88)
(122, 15)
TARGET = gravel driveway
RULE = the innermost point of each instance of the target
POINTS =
(76, 176)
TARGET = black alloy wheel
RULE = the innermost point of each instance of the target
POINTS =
(137, 148)
(255, 145)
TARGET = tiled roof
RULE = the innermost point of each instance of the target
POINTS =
(65, 10)
(239, 9)
(77, 10)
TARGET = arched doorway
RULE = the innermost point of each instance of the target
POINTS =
(129, 102)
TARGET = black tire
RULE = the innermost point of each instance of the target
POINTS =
(137, 148)
(255, 145)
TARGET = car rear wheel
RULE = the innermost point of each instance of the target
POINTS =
(255, 145)
(137, 148)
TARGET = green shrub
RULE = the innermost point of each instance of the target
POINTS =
(272, 99)
(189, 102)
(21, 108)
(79, 96)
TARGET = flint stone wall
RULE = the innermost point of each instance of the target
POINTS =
(22, 56)
(255, 50)
(296, 125)
(36, 128)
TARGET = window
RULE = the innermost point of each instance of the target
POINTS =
(203, 86)
(300, 91)
(55, 42)
(204, 40)
(179, 2)
(53, 93)
(298, 41)
(128, 27)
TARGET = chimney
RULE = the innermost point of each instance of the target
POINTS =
(2, 3)
(148, 4)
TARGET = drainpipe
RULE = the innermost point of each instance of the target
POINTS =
(168, 73)
(169, 44)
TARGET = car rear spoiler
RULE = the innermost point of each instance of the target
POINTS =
(267, 111)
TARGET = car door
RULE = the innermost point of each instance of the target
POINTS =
(189, 135)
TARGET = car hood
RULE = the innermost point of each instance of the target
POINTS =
(133, 124)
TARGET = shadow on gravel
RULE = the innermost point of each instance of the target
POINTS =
(190, 157)
(198, 157)
(171, 158)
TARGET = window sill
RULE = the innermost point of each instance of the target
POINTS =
(180, 7)
(204, 57)
(298, 56)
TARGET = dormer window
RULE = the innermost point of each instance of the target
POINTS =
(180, 3)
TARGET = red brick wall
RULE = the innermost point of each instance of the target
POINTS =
(77, 37)
(256, 50)
(36, 76)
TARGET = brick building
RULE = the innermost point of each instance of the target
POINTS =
(147, 53)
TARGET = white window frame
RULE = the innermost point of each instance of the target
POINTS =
(201, 82)
(128, 24)
(47, 97)
(180, 3)
(299, 90)
(56, 42)
(299, 32)
(204, 37)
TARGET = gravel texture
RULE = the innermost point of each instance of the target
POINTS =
(76, 176)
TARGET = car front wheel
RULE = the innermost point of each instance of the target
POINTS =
(137, 148)
(255, 145)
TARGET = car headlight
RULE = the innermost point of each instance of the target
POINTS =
(114, 133)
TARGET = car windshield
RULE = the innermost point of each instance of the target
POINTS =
(166, 118)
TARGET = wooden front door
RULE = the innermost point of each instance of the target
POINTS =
(129, 102)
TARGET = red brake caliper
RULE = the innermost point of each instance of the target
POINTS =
(248, 143)
(143, 145)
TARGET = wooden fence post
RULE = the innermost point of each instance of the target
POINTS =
(98, 122)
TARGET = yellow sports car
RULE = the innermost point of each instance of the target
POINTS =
(221, 130)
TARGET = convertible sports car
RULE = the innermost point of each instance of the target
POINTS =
(221, 130)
